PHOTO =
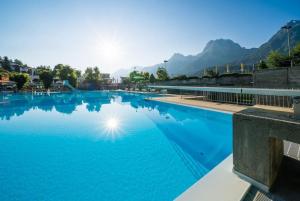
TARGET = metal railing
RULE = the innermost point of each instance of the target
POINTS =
(241, 96)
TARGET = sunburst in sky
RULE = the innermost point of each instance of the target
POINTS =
(125, 33)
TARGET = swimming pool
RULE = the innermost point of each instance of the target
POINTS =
(105, 146)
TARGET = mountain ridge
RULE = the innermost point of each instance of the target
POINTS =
(225, 51)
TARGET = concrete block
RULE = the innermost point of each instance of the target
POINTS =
(258, 143)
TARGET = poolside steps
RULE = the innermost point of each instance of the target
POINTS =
(254, 195)
(292, 150)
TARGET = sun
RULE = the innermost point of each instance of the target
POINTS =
(110, 49)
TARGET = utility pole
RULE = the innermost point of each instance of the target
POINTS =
(287, 28)
(165, 62)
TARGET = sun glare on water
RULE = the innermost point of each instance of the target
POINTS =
(112, 124)
(111, 128)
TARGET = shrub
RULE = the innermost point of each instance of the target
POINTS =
(20, 78)
(47, 78)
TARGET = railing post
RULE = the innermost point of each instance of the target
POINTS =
(296, 107)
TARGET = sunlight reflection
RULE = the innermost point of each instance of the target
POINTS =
(111, 128)
(112, 124)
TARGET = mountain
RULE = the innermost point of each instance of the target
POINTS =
(175, 64)
(278, 42)
(179, 64)
(218, 52)
(224, 51)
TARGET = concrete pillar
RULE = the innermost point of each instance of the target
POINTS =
(258, 144)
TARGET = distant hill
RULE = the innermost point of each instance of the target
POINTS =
(222, 52)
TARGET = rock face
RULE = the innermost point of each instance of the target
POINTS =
(219, 52)
(225, 51)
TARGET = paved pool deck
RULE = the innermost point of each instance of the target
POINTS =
(192, 100)
(221, 183)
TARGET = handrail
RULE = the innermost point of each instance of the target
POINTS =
(252, 91)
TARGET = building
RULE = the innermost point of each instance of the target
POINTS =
(5, 83)
(34, 77)
(124, 80)
(4, 76)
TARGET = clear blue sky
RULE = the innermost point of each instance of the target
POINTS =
(121, 34)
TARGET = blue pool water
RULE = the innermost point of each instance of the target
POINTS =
(110, 146)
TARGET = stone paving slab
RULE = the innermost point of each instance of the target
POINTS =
(189, 100)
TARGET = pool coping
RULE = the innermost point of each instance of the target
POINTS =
(218, 184)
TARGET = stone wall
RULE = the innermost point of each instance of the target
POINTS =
(268, 78)
(224, 80)
(294, 77)
(243, 80)
(277, 78)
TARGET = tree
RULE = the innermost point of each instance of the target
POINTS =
(275, 59)
(57, 69)
(41, 69)
(152, 78)
(132, 75)
(211, 73)
(146, 76)
(136, 76)
(20, 78)
(73, 78)
(78, 73)
(96, 75)
(162, 73)
(296, 55)
(92, 74)
(18, 62)
(6, 64)
(47, 78)
(180, 77)
(262, 64)
(88, 74)
(65, 72)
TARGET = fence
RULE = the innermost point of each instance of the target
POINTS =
(241, 96)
